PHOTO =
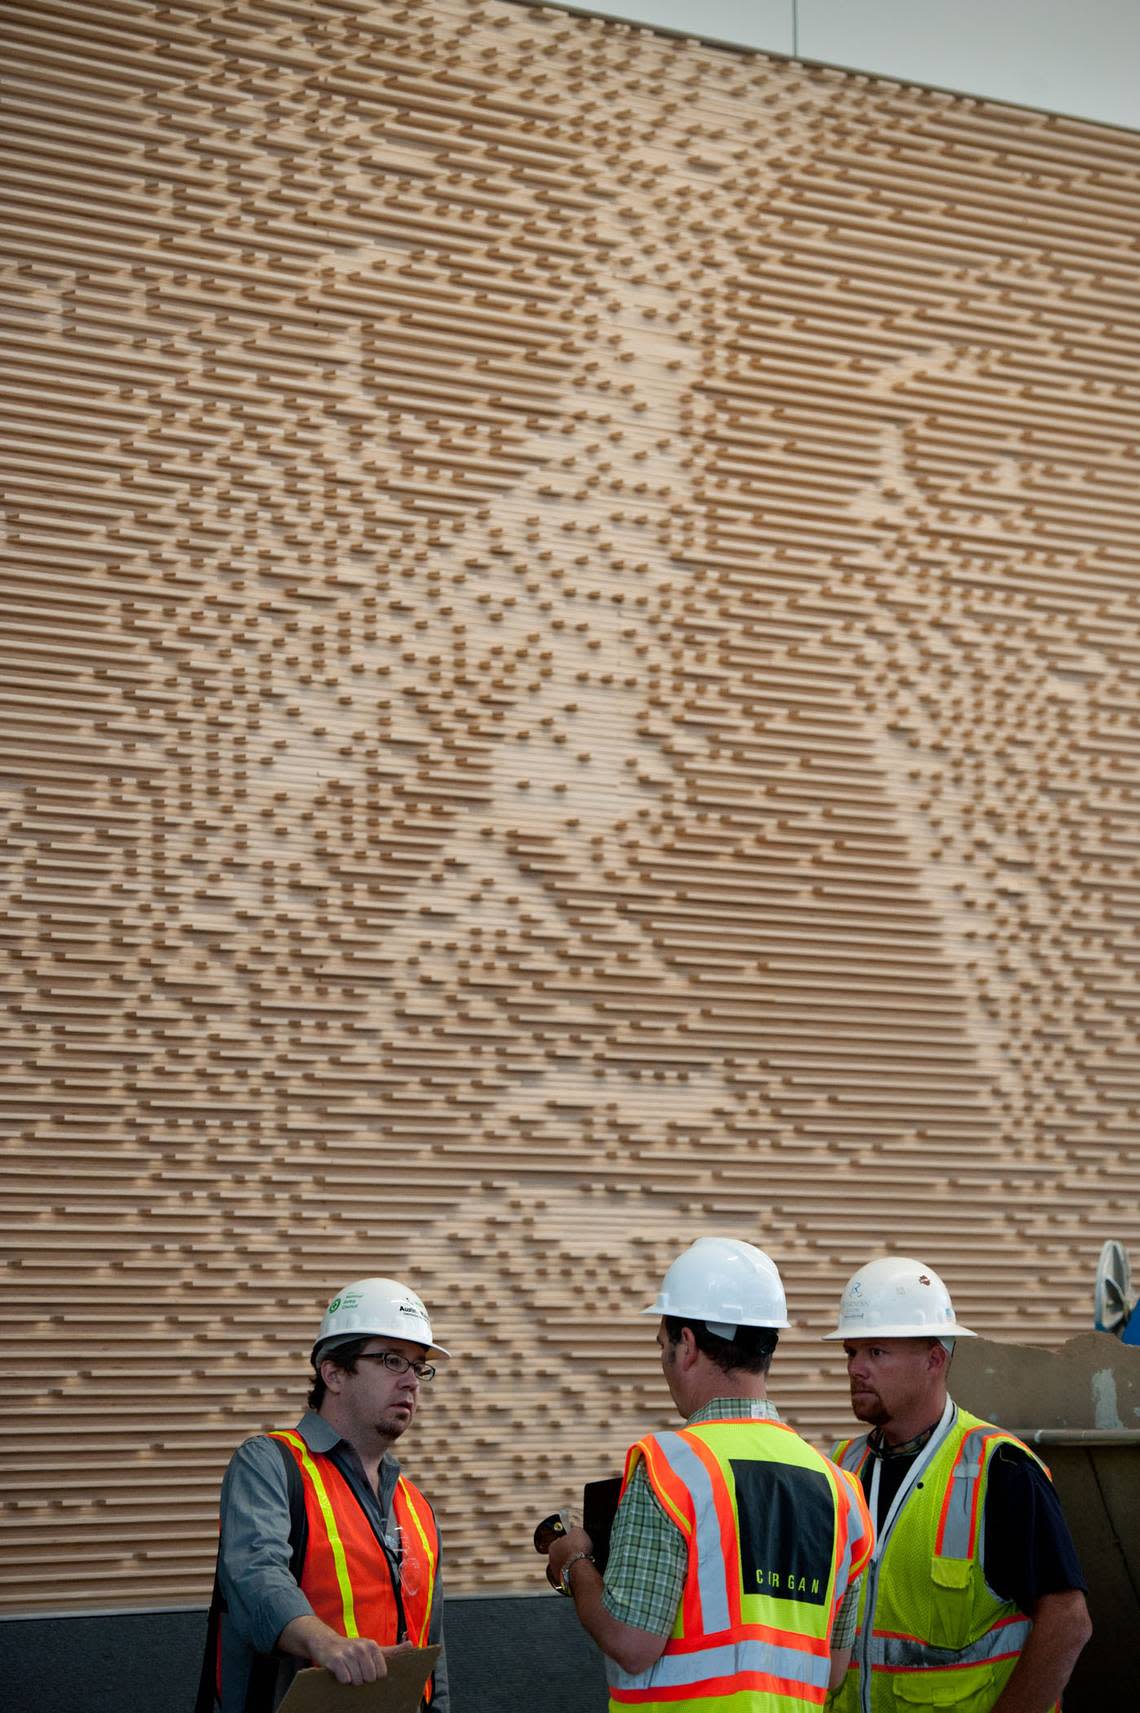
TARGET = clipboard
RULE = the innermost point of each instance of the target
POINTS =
(315, 1690)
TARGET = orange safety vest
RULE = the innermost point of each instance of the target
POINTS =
(774, 1534)
(346, 1576)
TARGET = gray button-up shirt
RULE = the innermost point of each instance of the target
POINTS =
(260, 1593)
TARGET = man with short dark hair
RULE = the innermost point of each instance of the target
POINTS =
(328, 1554)
(735, 1543)
(974, 1597)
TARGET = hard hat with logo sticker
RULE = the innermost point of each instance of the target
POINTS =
(897, 1298)
(375, 1308)
(726, 1283)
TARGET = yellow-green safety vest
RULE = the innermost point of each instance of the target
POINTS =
(931, 1632)
(774, 1533)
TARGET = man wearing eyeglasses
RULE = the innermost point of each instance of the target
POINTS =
(328, 1554)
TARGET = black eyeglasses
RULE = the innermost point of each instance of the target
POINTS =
(397, 1364)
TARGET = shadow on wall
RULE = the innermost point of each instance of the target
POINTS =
(500, 1648)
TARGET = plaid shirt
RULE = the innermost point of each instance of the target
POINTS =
(645, 1572)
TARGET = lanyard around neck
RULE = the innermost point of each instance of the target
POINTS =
(920, 1463)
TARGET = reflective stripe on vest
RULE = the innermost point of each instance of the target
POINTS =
(766, 1650)
(907, 1653)
(301, 1452)
(347, 1575)
(425, 1530)
(712, 1586)
(857, 1543)
(715, 1670)
(852, 1454)
(958, 1525)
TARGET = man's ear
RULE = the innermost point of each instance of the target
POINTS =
(938, 1358)
(687, 1351)
(332, 1375)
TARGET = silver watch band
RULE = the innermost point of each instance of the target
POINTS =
(564, 1574)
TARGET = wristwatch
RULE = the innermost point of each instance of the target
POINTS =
(564, 1574)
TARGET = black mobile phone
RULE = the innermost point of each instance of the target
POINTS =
(599, 1508)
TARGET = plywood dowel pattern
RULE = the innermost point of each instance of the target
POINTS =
(571, 679)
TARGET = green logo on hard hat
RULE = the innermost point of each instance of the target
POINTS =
(334, 1305)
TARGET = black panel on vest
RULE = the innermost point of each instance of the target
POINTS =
(787, 1530)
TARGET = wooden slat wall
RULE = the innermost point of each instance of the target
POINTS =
(573, 680)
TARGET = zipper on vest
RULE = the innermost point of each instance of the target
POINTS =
(401, 1619)
(866, 1634)
(392, 1561)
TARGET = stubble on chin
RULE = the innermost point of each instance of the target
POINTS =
(393, 1425)
(872, 1413)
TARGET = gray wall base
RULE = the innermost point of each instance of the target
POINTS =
(506, 1654)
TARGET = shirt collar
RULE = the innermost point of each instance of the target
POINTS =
(320, 1436)
(909, 1448)
(735, 1409)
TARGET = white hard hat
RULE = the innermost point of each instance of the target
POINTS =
(725, 1283)
(897, 1298)
(375, 1308)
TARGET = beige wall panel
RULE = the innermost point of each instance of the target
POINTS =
(572, 680)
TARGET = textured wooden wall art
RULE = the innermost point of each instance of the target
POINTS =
(572, 680)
